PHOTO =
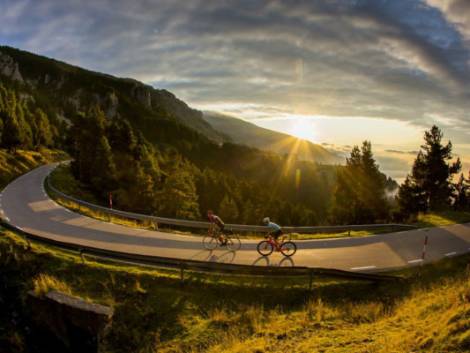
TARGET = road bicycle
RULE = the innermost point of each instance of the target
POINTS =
(266, 247)
(215, 237)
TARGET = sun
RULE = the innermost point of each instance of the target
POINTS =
(303, 129)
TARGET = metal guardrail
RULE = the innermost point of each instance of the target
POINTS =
(204, 266)
(235, 227)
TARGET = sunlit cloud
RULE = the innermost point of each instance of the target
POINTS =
(351, 69)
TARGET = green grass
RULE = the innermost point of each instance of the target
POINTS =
(63, 180)
(444, 218)
(14, 164)
(155, 312)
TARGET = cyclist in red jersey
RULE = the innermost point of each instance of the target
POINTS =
(216, 220)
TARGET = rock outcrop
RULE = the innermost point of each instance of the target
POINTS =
(9, 68)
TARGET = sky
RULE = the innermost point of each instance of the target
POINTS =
(335, 72)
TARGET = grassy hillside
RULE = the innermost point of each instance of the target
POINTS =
(155, 312)
(64, 88)
(249, 134)
(14, 164)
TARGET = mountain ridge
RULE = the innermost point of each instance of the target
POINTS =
(71, 83)
(73, 88)
(249, 134)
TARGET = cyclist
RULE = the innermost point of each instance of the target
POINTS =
(217, 221)
(275, 229)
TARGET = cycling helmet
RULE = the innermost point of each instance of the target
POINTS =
(266, 220)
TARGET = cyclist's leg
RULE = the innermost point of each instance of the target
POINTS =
(276, 236)
(222, 236)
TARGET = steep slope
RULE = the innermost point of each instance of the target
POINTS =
(73, 88)
(243, 132)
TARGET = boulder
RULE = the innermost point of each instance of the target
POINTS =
(63, 323)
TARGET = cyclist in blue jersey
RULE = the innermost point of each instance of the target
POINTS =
(275, 229)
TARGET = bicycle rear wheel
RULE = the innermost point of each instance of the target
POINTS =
(233, 242)
(209, 242)
(288, 248)
(265, 248)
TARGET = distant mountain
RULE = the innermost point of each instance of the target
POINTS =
(243, 132)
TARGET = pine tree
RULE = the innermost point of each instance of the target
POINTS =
(178, 197)
(372, 186)
(411, 198)
(42, 132)
(359, 194)
(461, 193)
(121, 136)
(430, 182)
(13, 136)
(103, 169)
(228, 209)
(86, 134)
(26, 133)
(345, 201)
(248, 213)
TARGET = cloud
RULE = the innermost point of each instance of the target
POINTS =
(457, 12)
(413, 153)
(394, 59)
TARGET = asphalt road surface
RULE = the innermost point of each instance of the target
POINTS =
(25, 204)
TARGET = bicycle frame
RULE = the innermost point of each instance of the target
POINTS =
(216, 233)
(275, 243)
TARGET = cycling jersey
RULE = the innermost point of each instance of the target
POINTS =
(274, 227)
(217, 220)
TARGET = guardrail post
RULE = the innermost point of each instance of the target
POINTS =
(349, 232)
(310, 280)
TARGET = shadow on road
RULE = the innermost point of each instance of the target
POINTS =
(267, 261)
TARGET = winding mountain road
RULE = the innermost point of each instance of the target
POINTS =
(25, 204)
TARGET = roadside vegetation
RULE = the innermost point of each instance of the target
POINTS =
(63, 180)
(14, 164)
(442, 218)
(156, 312)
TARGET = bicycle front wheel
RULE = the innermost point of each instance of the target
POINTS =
(265, 248)
(233, 242)
(288, 248)
(209, 242)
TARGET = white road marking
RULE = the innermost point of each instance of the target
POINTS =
(450, 253)
(415, 261)
(363, 268)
